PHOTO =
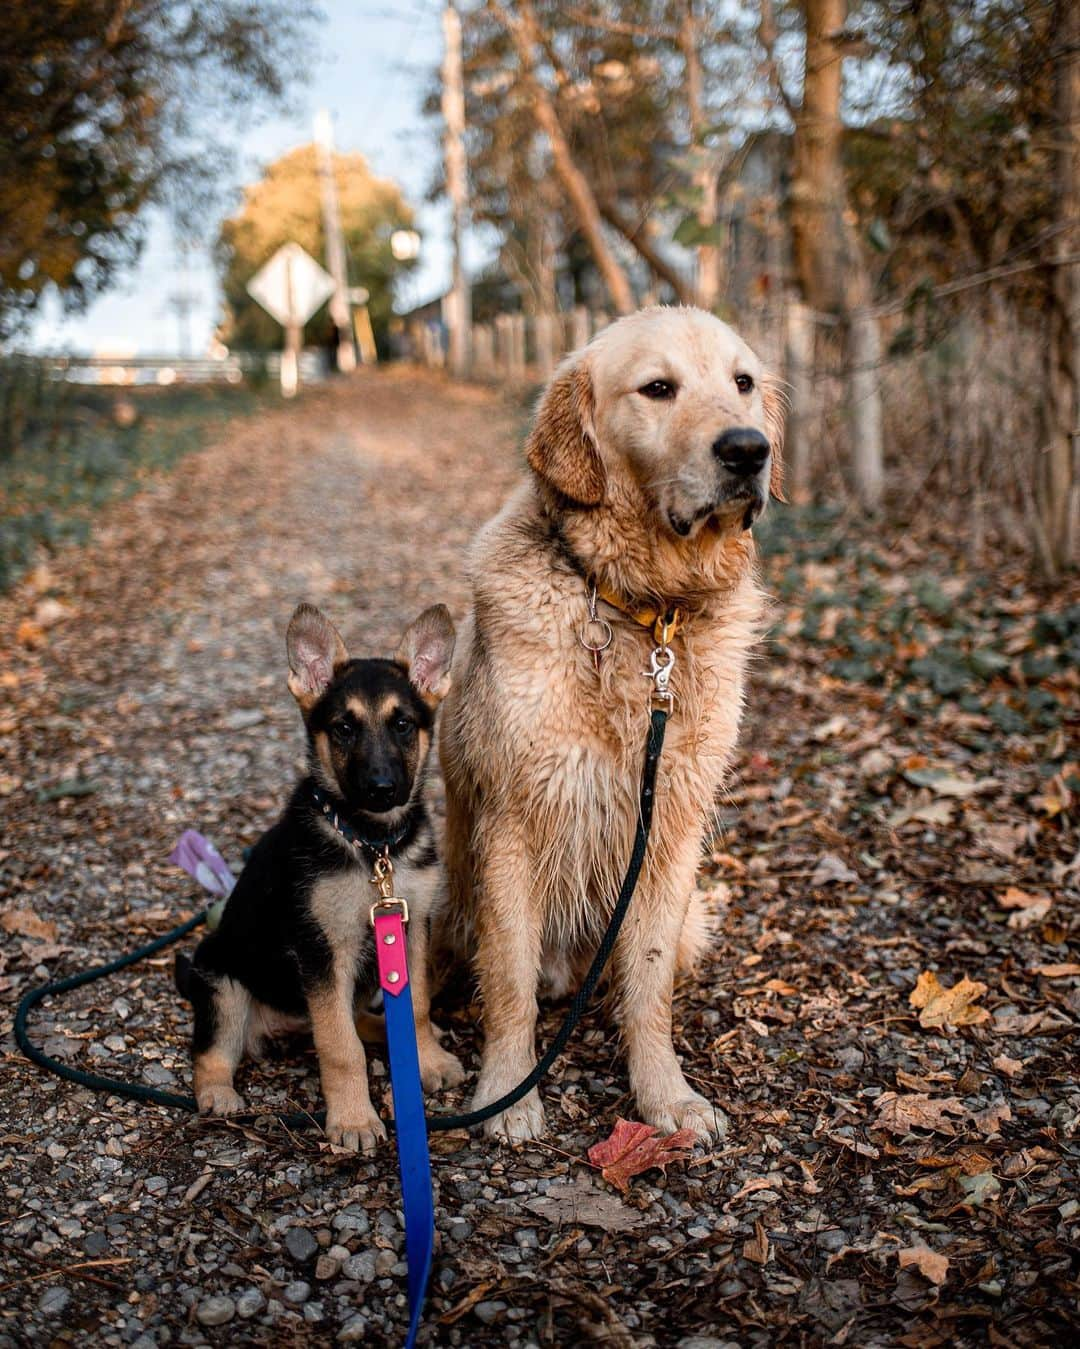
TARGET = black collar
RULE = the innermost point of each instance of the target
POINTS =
(332, 810)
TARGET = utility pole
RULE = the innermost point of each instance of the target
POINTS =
(458, 302)
(335, 242)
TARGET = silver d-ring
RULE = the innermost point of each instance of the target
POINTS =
(605, 627)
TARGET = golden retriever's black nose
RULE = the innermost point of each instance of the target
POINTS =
(742, 450)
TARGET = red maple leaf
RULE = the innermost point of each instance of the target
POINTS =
(633, 1148)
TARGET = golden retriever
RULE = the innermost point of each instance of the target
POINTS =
(653, 450)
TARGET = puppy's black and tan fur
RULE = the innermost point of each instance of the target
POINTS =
(293, 948)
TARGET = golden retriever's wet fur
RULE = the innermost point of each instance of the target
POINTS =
(542, 753)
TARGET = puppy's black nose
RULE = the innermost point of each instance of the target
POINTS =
(379, 794)
(742, 450)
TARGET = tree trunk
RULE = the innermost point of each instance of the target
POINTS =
(709, 263)
(1057, 477)
(829, 265)
(637, 237)
(523, 33)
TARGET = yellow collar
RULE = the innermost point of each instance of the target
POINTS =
(665, 623)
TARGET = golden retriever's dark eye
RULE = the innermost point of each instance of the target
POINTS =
(744, 383)
(658, 389)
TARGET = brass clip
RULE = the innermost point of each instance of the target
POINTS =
(382, 877)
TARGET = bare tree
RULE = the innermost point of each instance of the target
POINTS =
(709, 262)
(524, 33)
(829, 265)
(1057, 480)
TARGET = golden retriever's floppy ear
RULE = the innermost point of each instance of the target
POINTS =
(426, 651)
(315, 650)
(775, 402)
(562, 445)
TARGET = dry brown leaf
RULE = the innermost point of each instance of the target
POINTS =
(1063, 971)
(900, 1114)
(28, 924)
(945, 1007)
(30, 634)
(633, 1147)
(1030, 909)
(1010, 1067)
(990, 1120)
(757, 1248)
(929, 1263)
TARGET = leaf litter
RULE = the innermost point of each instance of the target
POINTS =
(924, 746)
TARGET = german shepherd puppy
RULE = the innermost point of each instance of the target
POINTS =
(293, 949)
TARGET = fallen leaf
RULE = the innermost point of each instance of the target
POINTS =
(28, 924)
(831, 870)
(633, 1147)
(585, 1204)
(943, 783)
(1010, 1067)
(900, 1114)
(990, 1120)
(978, 1189)
(30, 634)
(935, 812)
(1030, 909)
(930, 1264)
(1063, 971)
(757, 1248)
(944, 1007)
(773, 1182)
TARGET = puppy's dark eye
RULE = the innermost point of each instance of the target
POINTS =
(344, 732)
(659, 390)
(744, 383)
(401, 724)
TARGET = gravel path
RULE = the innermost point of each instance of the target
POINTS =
(144, 693)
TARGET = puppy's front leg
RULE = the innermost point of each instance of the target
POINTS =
(351, 1120)
(508, 929)
(644, 960)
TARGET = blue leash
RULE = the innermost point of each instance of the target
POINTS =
(389, 914)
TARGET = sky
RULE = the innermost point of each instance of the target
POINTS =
(371, 71)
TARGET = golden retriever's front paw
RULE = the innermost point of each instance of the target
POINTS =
(439, 1068)
(218, 1099)
(706, 1121)
(359, 1133)
(518, 1123)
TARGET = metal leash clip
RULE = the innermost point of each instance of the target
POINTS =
(382, 877)
(661, 664)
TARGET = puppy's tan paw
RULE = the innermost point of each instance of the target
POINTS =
(218, 1099)
(356, 1134)
(706, 1121)
(439, 1068)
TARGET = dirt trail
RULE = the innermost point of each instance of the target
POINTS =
(144, 692)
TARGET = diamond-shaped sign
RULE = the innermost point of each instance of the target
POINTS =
(291, 286)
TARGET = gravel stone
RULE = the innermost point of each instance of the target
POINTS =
(297, 1292)
(54, 1300)
(300, 1244)
(215, 1311)
(360, 1267)
(250, 1303)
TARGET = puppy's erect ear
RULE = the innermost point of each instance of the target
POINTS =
(775, 402)
(426, 651)
(562, 446)
(315, 649)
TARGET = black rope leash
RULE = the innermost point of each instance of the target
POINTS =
(136, 1091)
